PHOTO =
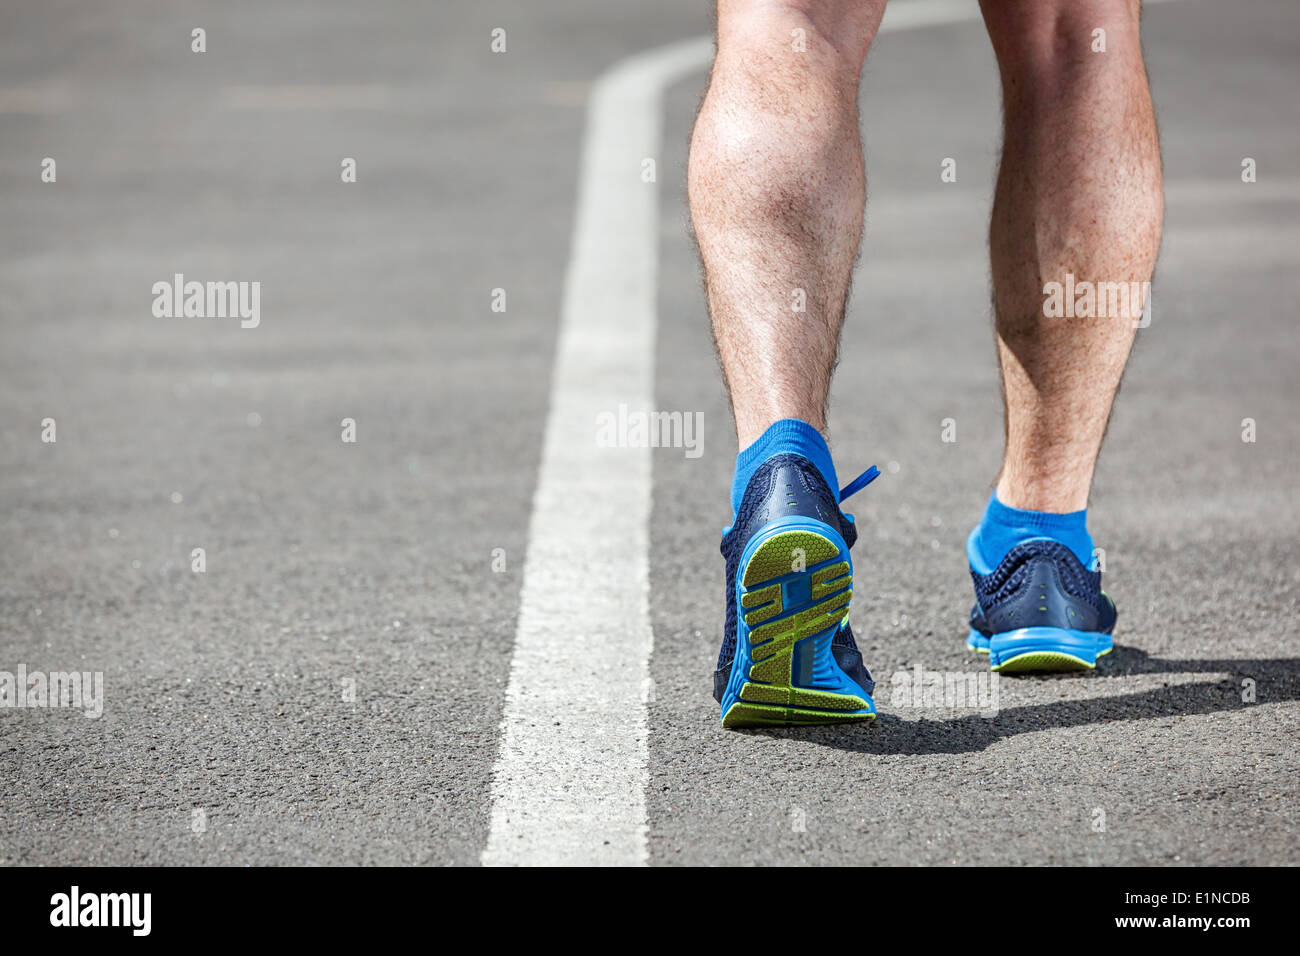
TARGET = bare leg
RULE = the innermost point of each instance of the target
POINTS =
(777, 190)
(1079, 192)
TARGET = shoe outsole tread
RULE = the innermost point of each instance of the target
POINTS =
(796, 587)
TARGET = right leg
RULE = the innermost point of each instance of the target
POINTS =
(777, 191)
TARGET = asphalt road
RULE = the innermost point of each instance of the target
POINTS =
(331, 688)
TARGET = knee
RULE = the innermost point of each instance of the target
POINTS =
(783, 93)
(825, 37)
(1044, 44)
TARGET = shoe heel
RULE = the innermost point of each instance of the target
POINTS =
(793, 590)
(1047, 649)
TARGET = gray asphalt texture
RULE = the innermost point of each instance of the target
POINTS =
(372, 562)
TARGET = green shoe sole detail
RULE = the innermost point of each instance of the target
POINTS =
(743, 714)
(1045, 661)
(770, 696)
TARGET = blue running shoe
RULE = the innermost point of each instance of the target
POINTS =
(788, 656)
(1041, 610)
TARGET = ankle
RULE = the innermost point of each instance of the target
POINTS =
(1004, 526)
(1050, 495)
(787, 436)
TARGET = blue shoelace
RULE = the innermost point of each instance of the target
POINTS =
(858, 483)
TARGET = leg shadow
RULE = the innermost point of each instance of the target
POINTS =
(1275, 681)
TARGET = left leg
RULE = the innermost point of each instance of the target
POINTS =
(777, 188)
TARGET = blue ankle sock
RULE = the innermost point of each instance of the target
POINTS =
(1002, 528)
(788, 436)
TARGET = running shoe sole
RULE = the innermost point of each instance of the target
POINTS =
(793, 586)
(1041, 649)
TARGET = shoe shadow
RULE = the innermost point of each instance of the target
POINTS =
(1275, 681)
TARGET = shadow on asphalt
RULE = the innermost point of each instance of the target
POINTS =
(1275, 681)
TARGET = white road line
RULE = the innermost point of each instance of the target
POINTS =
(569, 783)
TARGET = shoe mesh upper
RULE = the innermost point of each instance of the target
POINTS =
(1005, 583)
